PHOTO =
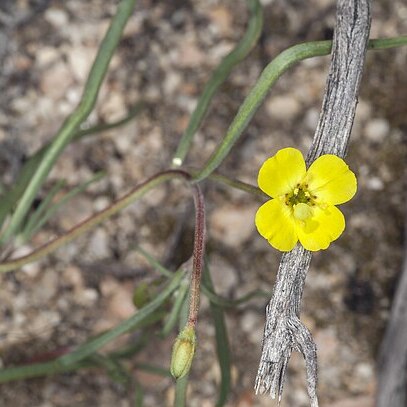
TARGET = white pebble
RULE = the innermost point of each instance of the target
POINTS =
(377, 129)
(375, 184)
(56, 17)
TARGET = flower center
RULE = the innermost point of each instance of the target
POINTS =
(301, 202)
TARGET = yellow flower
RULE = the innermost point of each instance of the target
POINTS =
(304, 201)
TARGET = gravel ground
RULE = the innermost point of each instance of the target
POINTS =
(168, 51)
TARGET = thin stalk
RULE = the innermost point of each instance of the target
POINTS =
(189, 319)
(173, 316)
(42, 209)
(234, 183)
(70, 126)
(99, 128)
(181, 385)
(198, 256)
(154, 263)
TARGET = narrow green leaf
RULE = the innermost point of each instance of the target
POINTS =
(33, 370)
(173, 317)
(71, 124)
(284, 61)
(219, 75)
(35, 224)
(268, 77)
(40, 211)
(227, 303)
(154, 262)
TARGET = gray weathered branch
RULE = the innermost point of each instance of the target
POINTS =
(392, 386)
(283, 331)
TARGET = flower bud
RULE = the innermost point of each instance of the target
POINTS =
(183, 352)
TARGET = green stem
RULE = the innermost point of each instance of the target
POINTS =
(99, 128)
(268, 77)
(227, 303)
(234, 183)
(181, 385)
(220, 74)
(154, 262)
(99, 217)
(70, 126)
(387, 43)
(31, 226)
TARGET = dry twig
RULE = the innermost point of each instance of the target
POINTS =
(284, 332)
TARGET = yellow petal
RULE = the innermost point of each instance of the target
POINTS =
(323, 228)
(281, 173)
(331, 180)
(275, 223)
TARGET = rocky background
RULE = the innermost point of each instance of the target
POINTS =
(168, 52)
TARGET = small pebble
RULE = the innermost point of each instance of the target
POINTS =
(283, 108)
(232, 224)
(376, 130)
(375, 184)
